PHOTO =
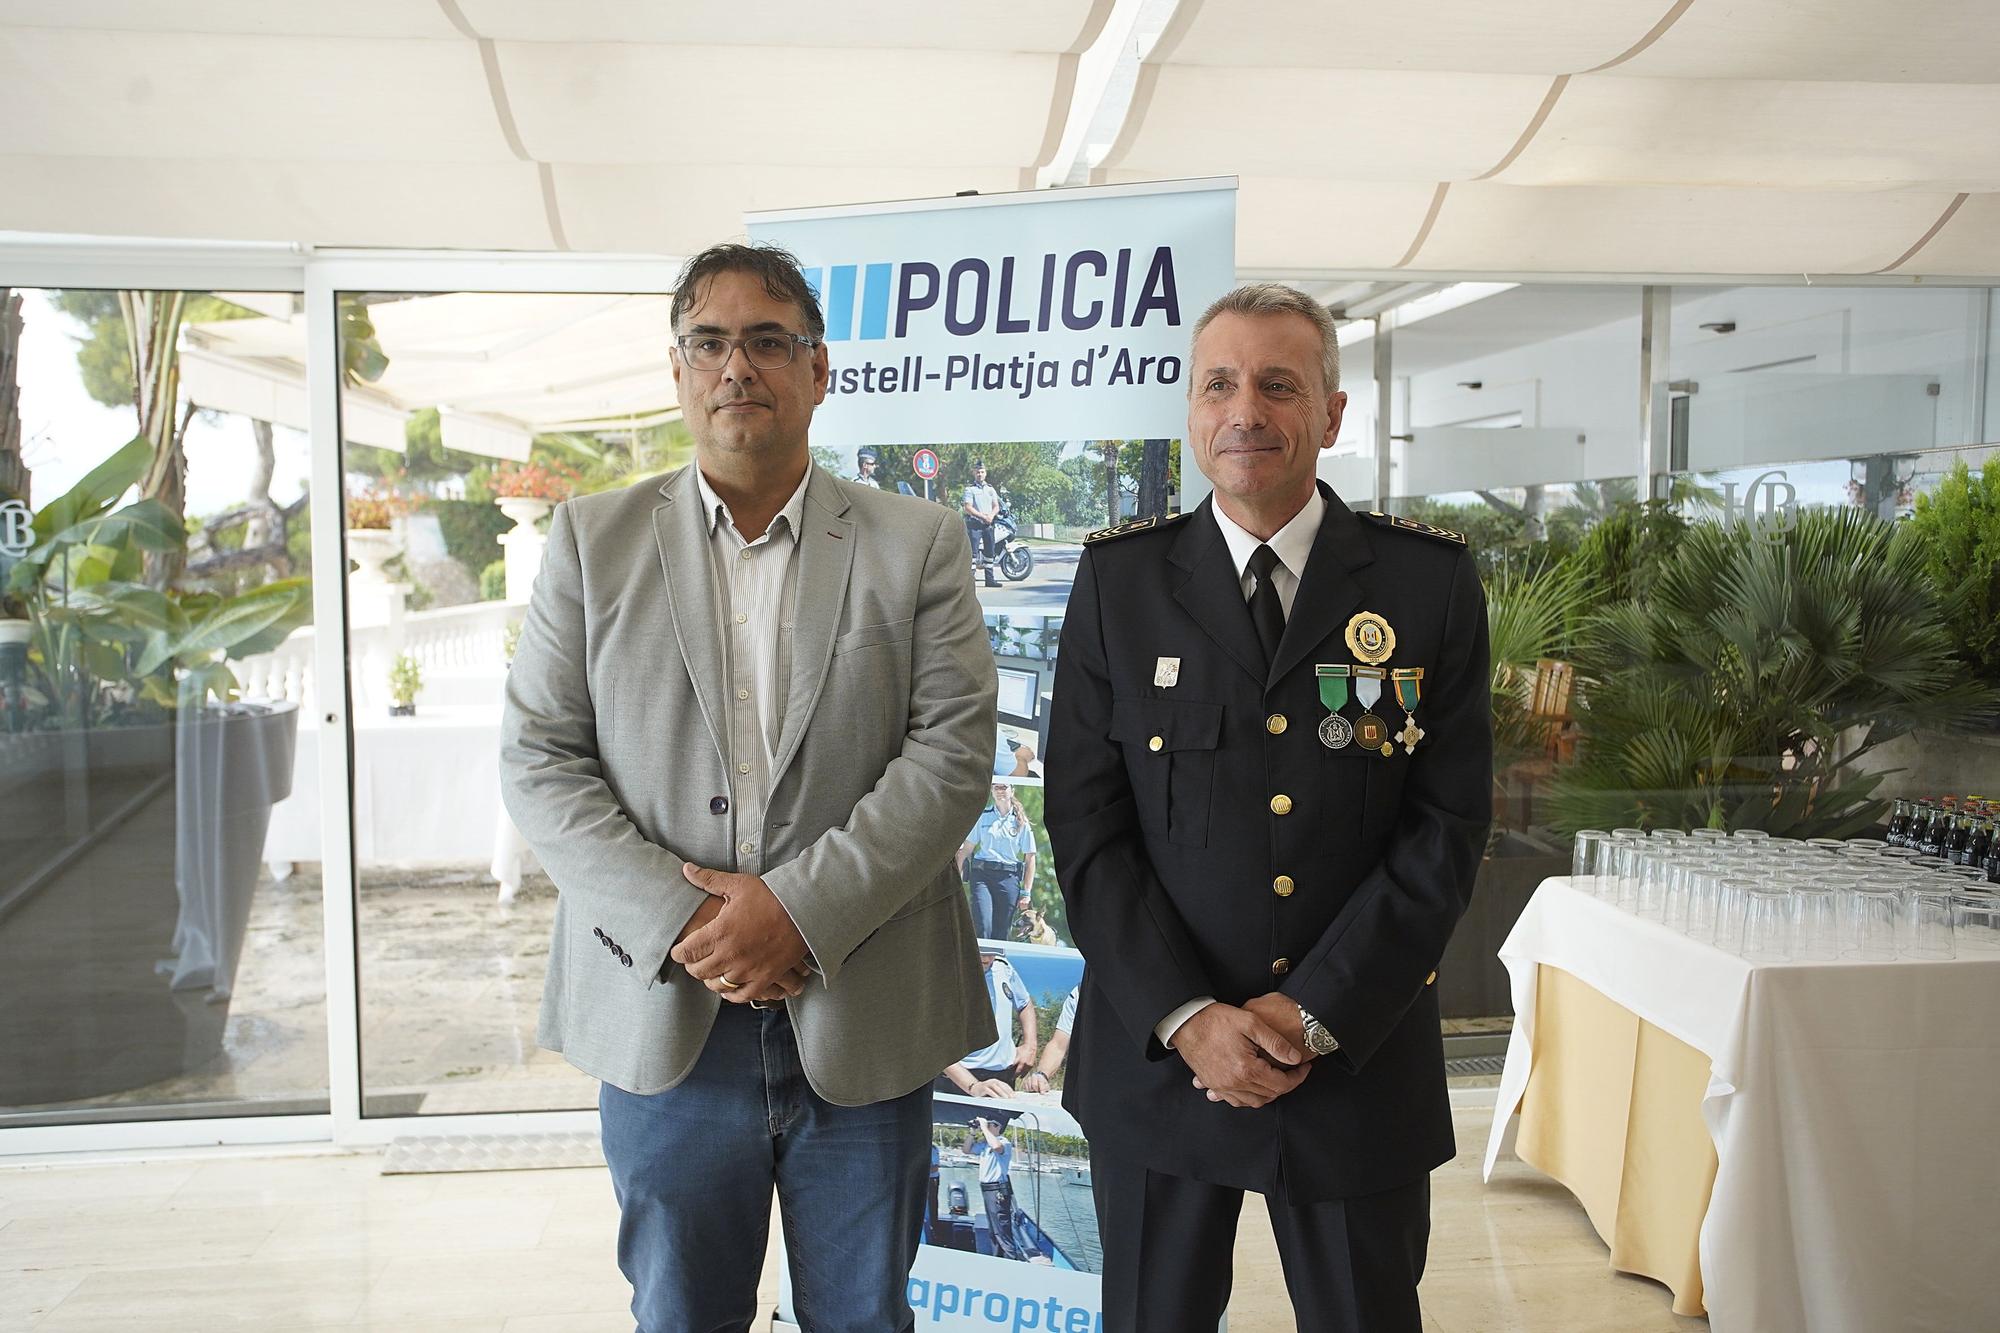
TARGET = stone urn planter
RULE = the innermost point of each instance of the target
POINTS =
(524, 543)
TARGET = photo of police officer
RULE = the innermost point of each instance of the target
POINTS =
(994, 1070)
(865, 463)
(1018, 1186)
(1032, 503)
(997, 861)
(980, 505)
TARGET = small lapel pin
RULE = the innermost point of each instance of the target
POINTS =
(1167, 672)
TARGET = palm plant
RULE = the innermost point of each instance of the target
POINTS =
(1741, 687)
(106, 644)
(1527, 620)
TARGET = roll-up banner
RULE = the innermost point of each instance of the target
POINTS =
(1022, 360)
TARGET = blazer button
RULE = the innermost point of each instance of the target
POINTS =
(1282, 966)
(625, 958)
(1276, 724)
(597, 931)
(1283, 886)
(718, 805)
(1281, 804)
(1155, 743)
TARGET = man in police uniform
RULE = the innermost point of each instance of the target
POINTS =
(1270, 768)
(864, 468)
(980, 506)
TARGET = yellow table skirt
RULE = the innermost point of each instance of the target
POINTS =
(1613, 1111)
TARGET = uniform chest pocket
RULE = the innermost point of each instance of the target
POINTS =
(1170, 753)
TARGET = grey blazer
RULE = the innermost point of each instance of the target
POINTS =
(615, 743)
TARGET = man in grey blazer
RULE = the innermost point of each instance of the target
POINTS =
(748, 724)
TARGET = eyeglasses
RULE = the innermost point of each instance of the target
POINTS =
(767, 351)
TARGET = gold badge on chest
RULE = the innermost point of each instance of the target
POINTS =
(1370, 638)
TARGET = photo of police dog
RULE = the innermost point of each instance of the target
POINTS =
(1026, 507)
(1008, 871)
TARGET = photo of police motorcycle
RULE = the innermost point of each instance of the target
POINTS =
(1027, 506)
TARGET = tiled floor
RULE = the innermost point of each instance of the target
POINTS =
(200, 1243)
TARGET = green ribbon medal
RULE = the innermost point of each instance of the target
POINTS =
(1334, 731)
(1409, 682)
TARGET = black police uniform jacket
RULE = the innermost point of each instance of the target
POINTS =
(1161, 814)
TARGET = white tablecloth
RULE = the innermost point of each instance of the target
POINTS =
(1853, 1106)
(426, 789)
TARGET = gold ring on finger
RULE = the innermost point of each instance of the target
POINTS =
(727, 984)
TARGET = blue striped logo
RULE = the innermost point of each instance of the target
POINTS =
(835, 284)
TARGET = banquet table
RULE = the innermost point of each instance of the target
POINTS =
(1798, 1146)
(426, 791)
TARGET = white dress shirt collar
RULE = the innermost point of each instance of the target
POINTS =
(1293, 542)
(716, 510)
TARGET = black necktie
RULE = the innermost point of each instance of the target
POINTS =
(1267, 613)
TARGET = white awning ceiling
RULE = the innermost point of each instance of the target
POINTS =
(500, 368)
(1622, 136)
(1455, 136)
(625, 125)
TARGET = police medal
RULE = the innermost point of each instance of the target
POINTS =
(1370, 730)
(1370, 639)
(1409, 682)
(1335, 733)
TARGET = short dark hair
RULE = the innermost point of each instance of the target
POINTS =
(777, 268)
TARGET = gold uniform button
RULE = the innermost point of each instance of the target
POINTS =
(1431, 980)
(1154, 743)
(1283, 886)
(1281, 804)
(1282, 966)
(1276, 724)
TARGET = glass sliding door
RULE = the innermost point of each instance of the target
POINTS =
(157, 960)
(465, 417)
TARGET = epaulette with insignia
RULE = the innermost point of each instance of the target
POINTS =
(1411, 525)
(1126, 529)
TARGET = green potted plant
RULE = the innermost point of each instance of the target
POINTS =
(1744, 687)
(406, 679)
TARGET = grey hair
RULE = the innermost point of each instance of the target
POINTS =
(1274, 298)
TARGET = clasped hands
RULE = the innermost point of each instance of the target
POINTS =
(1247, 1056)
(741, 942)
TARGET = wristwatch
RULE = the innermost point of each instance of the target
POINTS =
(1318, 1040)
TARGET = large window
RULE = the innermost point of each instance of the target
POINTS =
(1739, 551)
(153, 553)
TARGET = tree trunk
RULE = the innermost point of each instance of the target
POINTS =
(152, 331)
(257, 528)
(1153, 473)
(13, 469)
(1111, 481)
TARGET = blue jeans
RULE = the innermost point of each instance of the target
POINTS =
(996, 896)
(693, 1168)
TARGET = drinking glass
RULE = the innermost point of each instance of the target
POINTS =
(1927, 920)
(1732, 900)
(1815, 922)
(1709, 835)
(1767, 924)
(1832, 845)
(1626, 844)
(1704, 892)
(1750, 835)
(1589, 860)
(1656, 866)
(1975, 920)
(1873, 910)
(1874, 846)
